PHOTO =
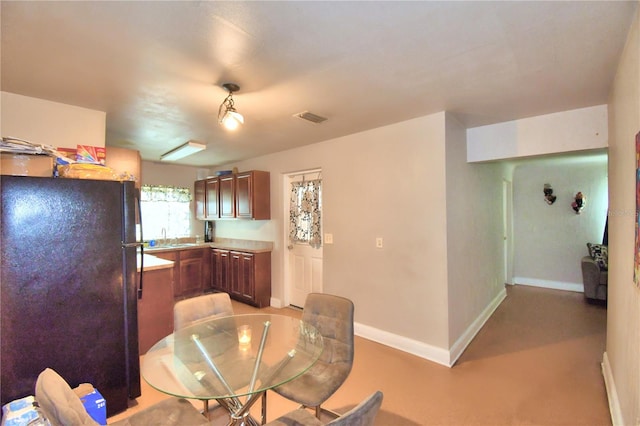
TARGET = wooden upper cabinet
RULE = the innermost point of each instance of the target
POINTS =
(125, 161)
(227, 204)
(212, 191)
(199, 194)
(253, 196)
(241, 196)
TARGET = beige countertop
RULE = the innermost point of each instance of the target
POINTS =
(248, 246)
(152, 263)
(242, 245)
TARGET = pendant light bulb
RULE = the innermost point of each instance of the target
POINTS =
(227, 114)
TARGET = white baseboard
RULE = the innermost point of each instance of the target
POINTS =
(405, 344)
(463, 341)
(276, 303)
(556, 285)
(424, 350)
(612, 393)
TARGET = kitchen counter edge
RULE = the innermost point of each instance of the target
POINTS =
(238, 245)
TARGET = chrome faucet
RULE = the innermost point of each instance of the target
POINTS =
(164, 236)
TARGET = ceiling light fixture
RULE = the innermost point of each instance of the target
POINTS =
(227, 114)
(182, 151)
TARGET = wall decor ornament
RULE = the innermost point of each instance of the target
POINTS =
(548, 194)
(579, 202)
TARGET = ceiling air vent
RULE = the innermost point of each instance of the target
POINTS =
(309, 116)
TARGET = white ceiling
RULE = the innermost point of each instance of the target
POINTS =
(157, 68)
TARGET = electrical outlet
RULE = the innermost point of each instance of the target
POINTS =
(379, 242)
(328, 238)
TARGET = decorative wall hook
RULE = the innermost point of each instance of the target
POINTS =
(579, 202)
(548, 194)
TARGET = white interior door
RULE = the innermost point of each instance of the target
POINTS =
(305, 262)
(507, 234)
(306, 272)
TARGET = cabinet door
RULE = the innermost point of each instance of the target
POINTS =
(192, 271)
(246, 276)
(227, 206)
(220, 270)
(190, 276)
(212, 188)
(199, 195)
(253, 197)
(235, 263)
(213, 259)
(244, 193)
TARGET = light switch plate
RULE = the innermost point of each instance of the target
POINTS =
(328, 238)
(379, 242)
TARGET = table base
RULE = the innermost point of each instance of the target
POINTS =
(239, 413)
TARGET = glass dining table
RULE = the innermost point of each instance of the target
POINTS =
(233, 360)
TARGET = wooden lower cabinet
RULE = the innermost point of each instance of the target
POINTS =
(220, 280)
(245, 276)
(155, 308)
(191, 271)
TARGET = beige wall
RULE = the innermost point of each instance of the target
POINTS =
(573, 130)
(408, 183)
(387, 182)
(50, 123)
(622, 359)
(550, 239)
(474, 243)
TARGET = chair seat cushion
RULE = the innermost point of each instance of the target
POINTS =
(316, 385)
(299, 417)
(172, 411)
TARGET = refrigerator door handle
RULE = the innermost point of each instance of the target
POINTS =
(141, 242)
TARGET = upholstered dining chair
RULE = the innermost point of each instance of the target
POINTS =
(63, 407)
(189, 311)
(332, 316)
(362, 414)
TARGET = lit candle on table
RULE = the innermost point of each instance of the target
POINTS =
(244, 335)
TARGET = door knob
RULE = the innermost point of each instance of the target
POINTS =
(290, 246)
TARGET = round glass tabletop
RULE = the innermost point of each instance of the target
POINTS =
(232, 356)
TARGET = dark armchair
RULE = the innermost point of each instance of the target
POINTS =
(595, 273)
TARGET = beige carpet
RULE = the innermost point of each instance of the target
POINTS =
(535, 362)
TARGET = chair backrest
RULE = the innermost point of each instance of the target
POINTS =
(362, 414)
(189, 311)
(332, 316)
(59, 402)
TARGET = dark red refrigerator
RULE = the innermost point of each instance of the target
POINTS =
(68, 286)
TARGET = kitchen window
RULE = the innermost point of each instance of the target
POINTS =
(165, 212)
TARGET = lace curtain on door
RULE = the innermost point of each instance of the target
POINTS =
(305, 213)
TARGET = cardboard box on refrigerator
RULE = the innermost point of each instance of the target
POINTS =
(26, 165)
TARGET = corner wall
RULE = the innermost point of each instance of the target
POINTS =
(387, 182)
(474, 240)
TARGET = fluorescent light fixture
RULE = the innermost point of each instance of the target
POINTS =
(227, 114)
(182, 151)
